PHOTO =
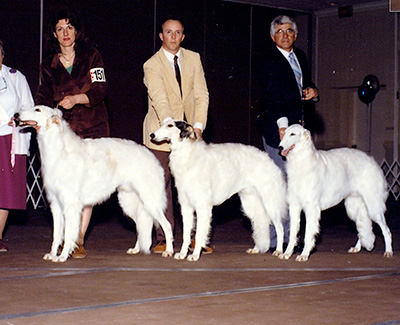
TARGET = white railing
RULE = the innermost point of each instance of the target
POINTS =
(392, 175)
(36, 197)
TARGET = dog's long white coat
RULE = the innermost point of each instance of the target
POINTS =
(84, 172)
(318, 180)
(209, 174)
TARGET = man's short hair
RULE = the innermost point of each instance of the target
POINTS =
(172, 17)
(280, 20)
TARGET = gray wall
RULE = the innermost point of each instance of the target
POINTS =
(346, 51)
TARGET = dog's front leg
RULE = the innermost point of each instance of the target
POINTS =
(313, 215)
(72, 213)
(203, 225)
(187, 220)
(58, 229)
(294, 213)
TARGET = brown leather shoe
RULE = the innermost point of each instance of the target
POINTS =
(79, 252)
(160, 247)
(205, 250)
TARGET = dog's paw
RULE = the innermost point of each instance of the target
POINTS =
(193, 258)
(388, 254)
(133, 251)
(277, 253)
(284, 256)
(167, 254)
(59, 259)
(253, 251)
(354, 250)
(301, 258)
(48, 257)
(179, 256)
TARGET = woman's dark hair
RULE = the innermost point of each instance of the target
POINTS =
(52, 44)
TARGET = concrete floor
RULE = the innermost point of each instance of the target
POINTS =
(226, 287)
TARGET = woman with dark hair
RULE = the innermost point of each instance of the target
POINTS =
(15, 96)
(72, 78)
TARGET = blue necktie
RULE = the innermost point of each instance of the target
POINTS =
(296, 70)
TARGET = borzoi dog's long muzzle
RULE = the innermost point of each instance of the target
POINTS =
(19, 122)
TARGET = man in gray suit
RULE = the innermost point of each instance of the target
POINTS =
(287, 94)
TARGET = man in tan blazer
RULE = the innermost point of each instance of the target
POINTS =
(167, 98)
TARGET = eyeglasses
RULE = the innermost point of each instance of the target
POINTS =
(289, 32)
(3, 84)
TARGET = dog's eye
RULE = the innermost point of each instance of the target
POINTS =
(170, 125)
(292, 134)
(37, 110)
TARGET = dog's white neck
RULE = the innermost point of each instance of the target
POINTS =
(182, 151)
(302, 157)
(52, 143)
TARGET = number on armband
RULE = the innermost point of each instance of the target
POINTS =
(97, 75)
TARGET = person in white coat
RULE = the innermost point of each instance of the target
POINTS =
(15, 95)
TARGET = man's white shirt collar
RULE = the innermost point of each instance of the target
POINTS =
(170, 56)
(286, 53)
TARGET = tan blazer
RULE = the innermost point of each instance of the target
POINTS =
(164, 97)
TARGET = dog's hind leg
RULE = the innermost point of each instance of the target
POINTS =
(277, 222)
(158, 215)
(253, 208)
(203, 226)
(58, 229)
(357, 211)
(277, 212)
(187, 221)
(386, 235)
(144, 227)
(129, 203)
(377, 213)
(295, 216)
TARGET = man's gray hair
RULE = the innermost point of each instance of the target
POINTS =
(280, 20)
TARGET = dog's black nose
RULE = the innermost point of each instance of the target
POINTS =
(16, 119)
(152, 136)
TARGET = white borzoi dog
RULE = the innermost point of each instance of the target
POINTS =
(209, 174)
(84, 172)
(318, 180)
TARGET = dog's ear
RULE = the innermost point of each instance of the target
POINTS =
(307, 134)
(186, 130)
(57, 112)
(192, 134)
(168, 120)
(55, 119)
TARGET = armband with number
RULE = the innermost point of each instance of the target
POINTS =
(97, 75)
